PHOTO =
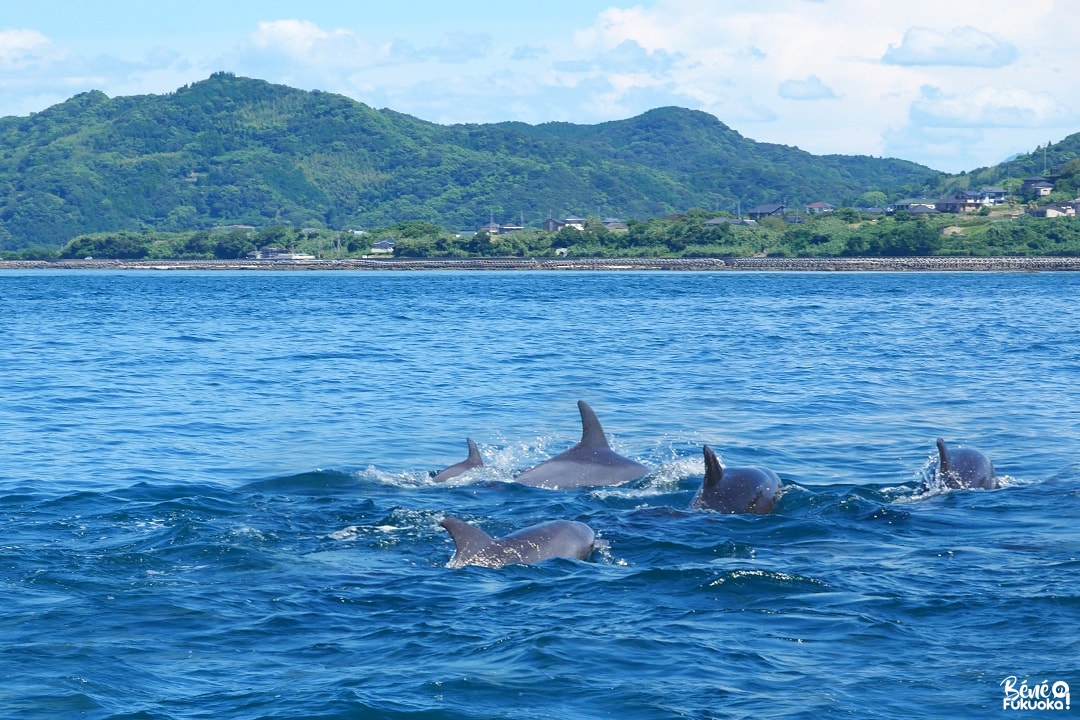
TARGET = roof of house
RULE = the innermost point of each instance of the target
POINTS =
(728, 221)
(767, 209)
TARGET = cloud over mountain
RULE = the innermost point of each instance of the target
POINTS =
(963, 47)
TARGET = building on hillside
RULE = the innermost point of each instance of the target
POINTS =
(1052, 211)
(717, 221)
(1037, 186)
(383, 247)
(553, 225)
(923, 210)
(911, 203)
(767, 210)
(615, 224)
(816, 208)
(491, 228)
(959, 205)
(993, 195)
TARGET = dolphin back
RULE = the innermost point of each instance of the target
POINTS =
(472, 461)
(592, 434)
(591, 462)
(469, 541)
(558, 538)
(961, 468)
(734, 490)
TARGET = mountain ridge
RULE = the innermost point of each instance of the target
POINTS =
(232, 150)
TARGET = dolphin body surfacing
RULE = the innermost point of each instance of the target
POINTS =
(964, 468)
(590, 462)
(733, 490)
(473, 461)
(558, 538)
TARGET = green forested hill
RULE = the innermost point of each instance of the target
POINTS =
(231, 150)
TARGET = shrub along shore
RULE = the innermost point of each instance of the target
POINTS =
(887, 264)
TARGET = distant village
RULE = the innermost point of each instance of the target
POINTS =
(962, 203)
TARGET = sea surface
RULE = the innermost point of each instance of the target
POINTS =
(215, 494)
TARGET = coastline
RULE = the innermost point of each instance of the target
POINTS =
(884, 264)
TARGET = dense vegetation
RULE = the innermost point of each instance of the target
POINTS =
(232, 150)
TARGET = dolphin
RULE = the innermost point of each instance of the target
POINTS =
(473, 461)
(731, 490)
(590, 462)
(558, 538)
(964, 468)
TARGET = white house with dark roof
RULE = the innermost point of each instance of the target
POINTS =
(911, 203)
(816, 208)
(1052, 211)
(553, 225)
(383, 247)
(959, 205)
(1037, 186)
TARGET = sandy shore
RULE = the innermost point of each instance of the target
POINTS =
(997, 264)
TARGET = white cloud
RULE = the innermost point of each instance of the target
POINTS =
(809, 89)
(987, 106)
(304, 41)
(963, 46)
(450, 50)
(21, 47)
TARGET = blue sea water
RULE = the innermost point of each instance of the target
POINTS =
(215, 495)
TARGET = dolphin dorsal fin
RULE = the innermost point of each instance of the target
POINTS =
(943, 457)
(714, 472)
(468, 539)
(592, 434)
(474, 453)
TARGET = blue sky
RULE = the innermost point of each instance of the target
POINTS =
(953, 85)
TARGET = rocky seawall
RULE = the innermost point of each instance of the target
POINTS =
(996, 264)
